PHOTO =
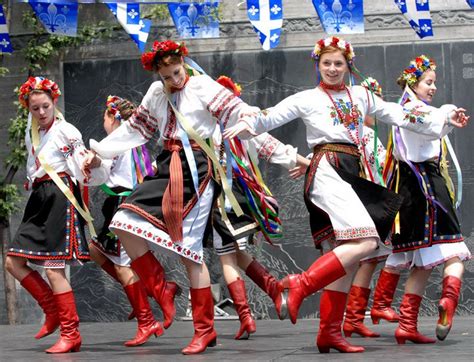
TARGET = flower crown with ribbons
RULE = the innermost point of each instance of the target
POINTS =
(417, 67)
(336, 42)
(230, 85)
(372, 85)
(161, 49)
(112, 106)
(37, 83)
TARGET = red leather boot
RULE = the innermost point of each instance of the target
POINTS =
(41, 291)
(355, 313)
(331, 312)
(269, 285)
(109, 268)
(239, 296)
(383, 297)
(407, 328)
(147, 325)
(205, 335)
(322, 272)
(152, 274)
(70, 338)
(447, 305)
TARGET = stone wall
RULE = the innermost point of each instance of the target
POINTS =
(87, 75)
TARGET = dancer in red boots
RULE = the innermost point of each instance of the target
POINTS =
(170, 210)
(51, 233)
(106, 250)
(348, 214)
(231, 236)
(360, 292)
(428, 233)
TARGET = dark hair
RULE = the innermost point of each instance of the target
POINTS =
(169, 59)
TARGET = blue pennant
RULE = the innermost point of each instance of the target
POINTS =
(417, 12)
(128, 15)
(470, 3)
(341, 16)
(266, 17)
(195, 20)
(5, 44)
(58, 17)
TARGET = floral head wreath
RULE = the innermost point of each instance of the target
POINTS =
(336, 42)
(230, 85)
(37, 83)
(372, 85)
(161, 49)
(112, 106)
(417, 67)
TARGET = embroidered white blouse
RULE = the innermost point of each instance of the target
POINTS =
(120, 171)
(201, 102)
(420, 147)
(318, 113)
(63, 149)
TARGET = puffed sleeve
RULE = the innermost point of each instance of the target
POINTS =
(221, 103)
(272, 150)
(70, 144)
(287, 110)
(415, 116)
(134, 132)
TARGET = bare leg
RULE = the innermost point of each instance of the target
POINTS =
(198, 274)
(352, 252)
(364, 274)
(57, 279)
(135, 246)
(17, 266)
(417, 280)
(454, 267)
(244, 259)
(230, 267)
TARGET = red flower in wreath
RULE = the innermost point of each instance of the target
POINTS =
(230, 85)
(37, 83)
(161, 49)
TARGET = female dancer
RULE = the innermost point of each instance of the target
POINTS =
(170, 210)
(347, 214)
(429, 233)
(231, 235)
(51, 233)
(106, 250)
(359, 293)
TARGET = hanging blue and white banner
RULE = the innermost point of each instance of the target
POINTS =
(470, 3)
(5, 44)
(417, 12)
(195, 20)
(266, 17)
(341, 16)
(128, 15)
(58, 18)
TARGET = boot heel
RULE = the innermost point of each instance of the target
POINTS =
(284, 305)
(323, 349)
(76, 348)
(212, 343)
(400, 340)
(347, 334)
(375, 320)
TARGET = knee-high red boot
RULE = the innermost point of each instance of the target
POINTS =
(205, 335)
(383, 297)
(109, 268)
(147, 325)
(269, 285)
(407, 328)
(152, 275)
(239, 296)
(41, 291)
(355, 313)
(447, 305)
(70, 338)
(331, 312)
(322, 272)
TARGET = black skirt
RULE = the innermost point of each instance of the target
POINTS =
(381, 203)
(51, 228)
(107, 241)
(422, 223)
(240, 226)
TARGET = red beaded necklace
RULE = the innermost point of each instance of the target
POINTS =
(346, 120)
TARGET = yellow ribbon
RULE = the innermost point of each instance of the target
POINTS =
(57, 180)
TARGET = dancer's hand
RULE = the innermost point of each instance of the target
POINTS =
(91, 161)
(297, 171)
(241, 129)
(458, 118)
